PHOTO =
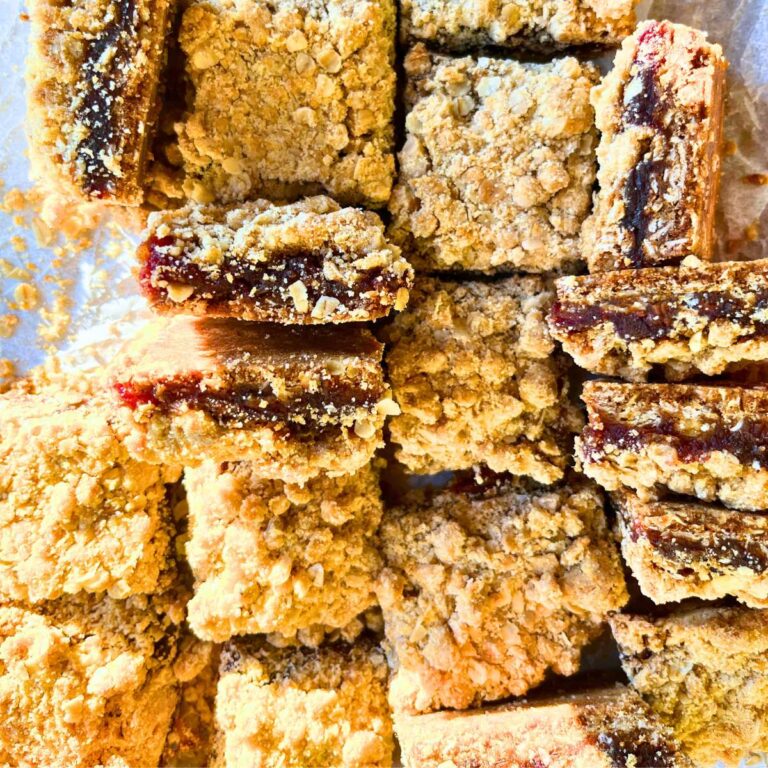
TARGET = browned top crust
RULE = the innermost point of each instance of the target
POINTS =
(498, 164)
(660, 111)
(93, 74)
(535, 24)
(287, 99)
(308, 263)
(696, 317)
(704, 672)
(601, 728)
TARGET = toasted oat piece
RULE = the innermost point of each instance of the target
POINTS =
(700, 318)
(93, 76)
(498, 164)
(287, 99)
(87, 681)
(705, 673)
(660, 111)
(474, 370)
(704, 441)
(679, 549)
(600, 728)
(77, 513)
(295, 402)
(531, 24)
(299, 707)
(270, 557)
(488, 586)
(308, 263)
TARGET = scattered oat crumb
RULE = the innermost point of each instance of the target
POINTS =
(13, 272)
(756, 179)
(26, 296)
(7, 368)
(19, 244)
(8, 325)
(55, 321)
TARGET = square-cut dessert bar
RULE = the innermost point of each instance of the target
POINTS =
(489, 585)
(298, 707)
(296, 402)
(477, 378)
(679, 549)
(93, 72)
(704, 671)
(270, 557)
(77, 513)
(287, 98)
(660, 111)
(308, 263)
(88, 681)
(531, 24)
(498, 164)
(598, 728)
(700, 440)
(696, 318)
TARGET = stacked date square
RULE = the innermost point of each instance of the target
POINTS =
(684, 457)
(325, 501)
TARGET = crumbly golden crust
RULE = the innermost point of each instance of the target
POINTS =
(660, 111)
(704, 441)
(296, 707)
(484, 592)
(678, 550)
(309, 263)
(474, 371)
(600, 728)
(287, 100)
(273, 557)
(696, 318)
(295, 402)
(88, 682)
(189, 742)
(533, 24)
(77, 513)
(498, 164)
(705, 673)
(93, 74)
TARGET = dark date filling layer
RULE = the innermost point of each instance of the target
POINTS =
(748, 443)
(719, 550)
(244, 405)
(647, 748)
(259, 284)
(116, 46)
(646, 185)
(657, 320)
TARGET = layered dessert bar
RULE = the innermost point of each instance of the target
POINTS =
(297, 707)
(704, 672)
(295, 402)
(696, 318)
(679, 549)
(477, 378)
(86, 681)
(77, 513)
(93, 74)
(599, 728)
(489, 585)
(498, 163)
(660, 112)
(287, 99)
(308, 263)
(270, 557)
(699, 440)
(530, 24)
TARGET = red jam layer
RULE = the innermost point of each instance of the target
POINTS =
(243, 405)
(258, 284)
(749, 443)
